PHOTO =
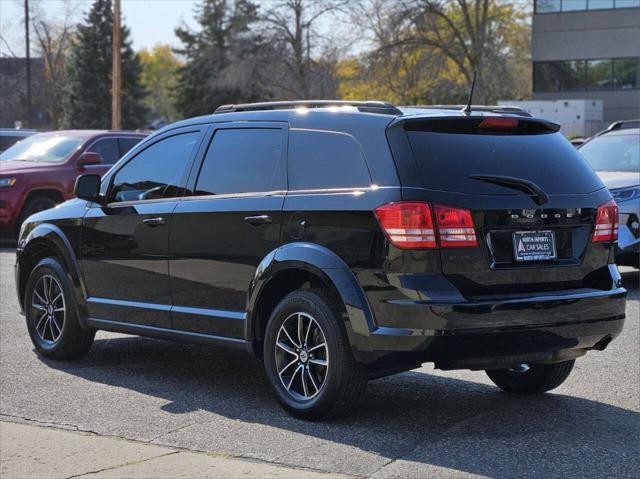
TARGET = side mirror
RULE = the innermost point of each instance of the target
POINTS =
(89, 158)
(87, 187)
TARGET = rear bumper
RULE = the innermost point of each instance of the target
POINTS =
(497, 333)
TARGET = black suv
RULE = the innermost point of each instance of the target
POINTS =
(338, 241)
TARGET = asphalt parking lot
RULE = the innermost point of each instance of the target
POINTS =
(423, 423)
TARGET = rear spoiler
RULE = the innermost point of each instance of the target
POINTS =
(458, 123)
(512, 110)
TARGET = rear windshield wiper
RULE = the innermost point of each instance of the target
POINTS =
(540, 197)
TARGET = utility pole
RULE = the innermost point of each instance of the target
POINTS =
(116, 90)
(28, 57)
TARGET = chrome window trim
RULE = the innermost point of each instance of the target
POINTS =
(256, 194)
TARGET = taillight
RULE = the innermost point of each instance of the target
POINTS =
(411, 225)
(455, 227)
(606, 229)
(408, 224)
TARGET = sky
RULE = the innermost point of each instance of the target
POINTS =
(150, 21)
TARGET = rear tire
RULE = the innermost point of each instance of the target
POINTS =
(50, 311)
(538, 378)
(311, 381)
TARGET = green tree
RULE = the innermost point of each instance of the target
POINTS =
(88, 92)
(160, 77)
(221, 59)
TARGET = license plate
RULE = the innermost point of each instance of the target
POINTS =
(534, 245)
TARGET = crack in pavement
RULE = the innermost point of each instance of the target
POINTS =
(131, 463)
(51, 424)
(179, 428)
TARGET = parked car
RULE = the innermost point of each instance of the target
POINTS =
(39, 172)
(10, 136)
(338, 241)
(615, 156)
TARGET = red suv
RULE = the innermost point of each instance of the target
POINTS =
(39, 172)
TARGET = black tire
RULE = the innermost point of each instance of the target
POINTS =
(72, 341)
(539, 378)
(35, 205)
(343, 379)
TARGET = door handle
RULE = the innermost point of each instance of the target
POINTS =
(153, 222)
(258, 219)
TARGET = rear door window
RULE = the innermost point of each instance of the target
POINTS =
(108, 150)
(324, 159)
(243, 160)
(446, 161)
(126, 144)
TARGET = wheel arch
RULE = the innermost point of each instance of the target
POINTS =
(48, 240)
(289, 268)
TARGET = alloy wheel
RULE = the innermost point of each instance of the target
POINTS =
(48, 309)
(302, 356)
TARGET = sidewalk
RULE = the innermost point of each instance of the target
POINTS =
(28, 451)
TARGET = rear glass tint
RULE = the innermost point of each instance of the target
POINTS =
(446, 161)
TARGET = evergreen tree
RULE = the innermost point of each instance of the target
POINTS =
(88, 93)
(222, 59)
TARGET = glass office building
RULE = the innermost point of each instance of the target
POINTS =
(588, 49)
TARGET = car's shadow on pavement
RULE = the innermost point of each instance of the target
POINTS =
(424, 418)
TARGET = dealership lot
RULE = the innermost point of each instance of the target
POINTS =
(417, 424)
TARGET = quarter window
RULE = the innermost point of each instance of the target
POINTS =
(323, 159)
(157, 171)
(243, 160)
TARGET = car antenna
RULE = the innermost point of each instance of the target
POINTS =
(467, 109)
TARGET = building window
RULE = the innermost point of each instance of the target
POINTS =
(627, 3)
(554, 6)
(573, 5)
(599, 74)
(572, 75)
(626, 73)
(601, 4)
(546, 76)
(547, 6)
(581, 75)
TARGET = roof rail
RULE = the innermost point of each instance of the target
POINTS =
(623, 124)
(363, 106)
(514, 110)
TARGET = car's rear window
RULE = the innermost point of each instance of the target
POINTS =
(613, 152)
(447, 160)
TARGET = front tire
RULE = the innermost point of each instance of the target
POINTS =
(531, 379)
(50, 311)
(308, 359)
